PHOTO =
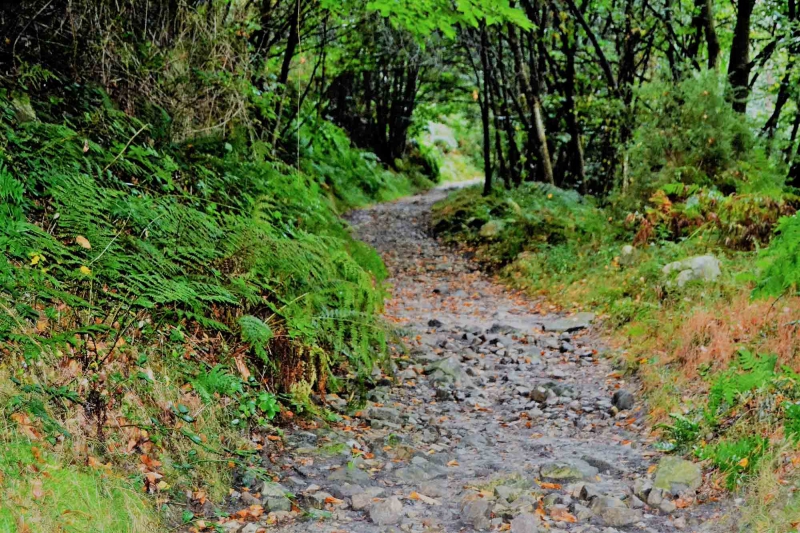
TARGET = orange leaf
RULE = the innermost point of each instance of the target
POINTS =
(562, 515)
(550, 486)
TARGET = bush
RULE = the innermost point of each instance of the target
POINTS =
(533, 217)
(689, 134)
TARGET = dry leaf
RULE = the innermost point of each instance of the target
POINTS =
(562, 515)
(36, 489)
(83, 242)
(25, 425)
(550, 486)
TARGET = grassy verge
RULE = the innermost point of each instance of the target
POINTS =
(717, 365)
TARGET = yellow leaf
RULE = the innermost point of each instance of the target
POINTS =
(744, 462)
(86, 271)
(35, 258)
(83, 242)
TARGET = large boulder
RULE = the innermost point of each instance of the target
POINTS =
(675, 475)
(700, 267)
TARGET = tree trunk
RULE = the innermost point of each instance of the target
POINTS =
(739, 64)
(531, 91)
(484, 103)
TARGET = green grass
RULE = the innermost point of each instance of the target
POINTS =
(42, 492)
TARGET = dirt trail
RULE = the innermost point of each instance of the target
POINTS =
(501, 418)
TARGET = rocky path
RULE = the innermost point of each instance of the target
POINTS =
(501, 418)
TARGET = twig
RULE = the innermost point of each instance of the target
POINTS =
(124, 148)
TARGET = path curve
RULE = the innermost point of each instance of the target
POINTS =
(493, 424)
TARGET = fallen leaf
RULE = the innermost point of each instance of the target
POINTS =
(83, 242)
(36, 489)
(550, 486)
(452, 463)
(562, 515)
(333, 501)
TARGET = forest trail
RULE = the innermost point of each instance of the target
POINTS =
(498, 416)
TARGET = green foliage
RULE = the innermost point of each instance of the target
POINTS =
(792, 423)
(216, 381)
(423, 17)
(201, 236)
(77, 499)
(750, 373)
(736, 458)
(681, 435)
(689, 134)
(257, 334)
(781, 261)
(533, 217)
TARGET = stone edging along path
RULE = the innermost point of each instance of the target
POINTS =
(501, 419)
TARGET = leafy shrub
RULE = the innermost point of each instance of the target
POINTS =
(112, 229)
(781, 261)
(690, 134)
(533, 217)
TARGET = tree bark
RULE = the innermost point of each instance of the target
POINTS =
(531, 91)
(484, 103)
(739, 64)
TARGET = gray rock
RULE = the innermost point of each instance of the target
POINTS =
(581, 512)
(701, 267)
(384, 413)
(623, 400)
(346, 490)
(448, 371)
(575, 322)
(350, 474)
(360, 501)
(475, 511)
(386, 512)
(539, 394)
(601, 464)
(317, 500)
(420, 471)
(525, 523)
(667, 506)
(568, 470)
(619, 516)
(675, 473)
(248, 499)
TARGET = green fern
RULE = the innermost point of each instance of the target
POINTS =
(257, 334)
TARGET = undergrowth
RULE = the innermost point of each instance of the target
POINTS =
(162, 303)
